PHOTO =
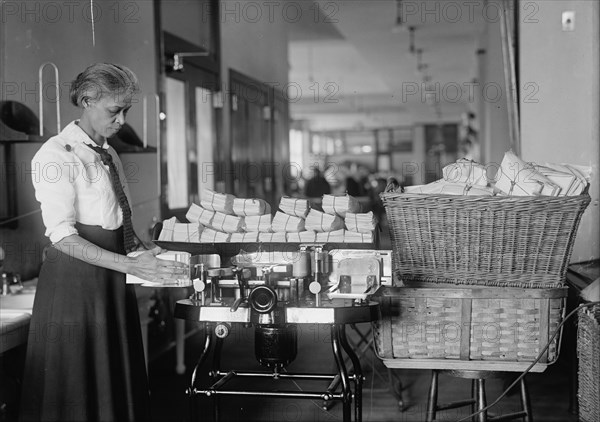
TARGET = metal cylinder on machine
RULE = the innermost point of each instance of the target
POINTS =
(319, 261)
(275, 346)
(215, 291)
(262, 299)
(301, 266)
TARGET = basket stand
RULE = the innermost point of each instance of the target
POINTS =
(478, 401)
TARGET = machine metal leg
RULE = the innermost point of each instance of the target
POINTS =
(339, 360)
(473, 395)
(526, 404)
(481, 401)
(339, 343)
(361, 347)
(201, 359)
(358, 375)
(432, 400)
(216, 366)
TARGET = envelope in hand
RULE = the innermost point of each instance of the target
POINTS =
(177, 256)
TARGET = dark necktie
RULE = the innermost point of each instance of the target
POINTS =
(128, 234)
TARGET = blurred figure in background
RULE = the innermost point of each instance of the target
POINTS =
(317, 186)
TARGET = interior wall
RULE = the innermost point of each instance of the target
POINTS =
(254, 42)
(61, 33)
(560, 107)
(491, 93)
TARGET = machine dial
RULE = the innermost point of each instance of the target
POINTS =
(222, 330)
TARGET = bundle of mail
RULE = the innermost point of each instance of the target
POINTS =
(244, 237)
(340, 204)
(227, 223)
(252, 206)
(258, 223)
(318, 221)
(200, 215)
(344, 236)
(361, 223)
(518, 178)
(222, 202)
(330, 226)
(294, 206)
(514, 177)
(224, 218)
(278, 237)
(283, 222)
(209, 235)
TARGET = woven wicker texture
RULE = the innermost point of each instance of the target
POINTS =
(491, 241)
(588, 351)
(500, 324)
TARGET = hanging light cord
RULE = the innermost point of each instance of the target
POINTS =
(93, 27)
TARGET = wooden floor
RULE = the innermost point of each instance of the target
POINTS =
(549, 391)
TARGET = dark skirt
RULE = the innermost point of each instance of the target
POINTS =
(85, 358)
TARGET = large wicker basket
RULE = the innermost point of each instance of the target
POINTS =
(588, 352)
(468, 323)
(493, 241)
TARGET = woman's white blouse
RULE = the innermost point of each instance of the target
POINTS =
(72, 185)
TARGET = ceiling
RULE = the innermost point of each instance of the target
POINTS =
(351, 64)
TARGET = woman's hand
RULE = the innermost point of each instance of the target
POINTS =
(148, 267)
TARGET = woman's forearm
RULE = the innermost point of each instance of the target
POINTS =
(77, 247)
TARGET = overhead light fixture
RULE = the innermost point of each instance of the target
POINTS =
(411, 39)
(399, 15)
(419, 53)
(399, 24)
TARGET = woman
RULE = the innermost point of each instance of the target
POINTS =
(85, 359)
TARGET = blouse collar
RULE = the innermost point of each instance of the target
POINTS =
(75, 133)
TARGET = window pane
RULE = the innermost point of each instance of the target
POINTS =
(4, 169)
(188, 19)
(205, 135)
(359, 143)
(177, 157)
(402, 140)
(383, 140)
(384, 163)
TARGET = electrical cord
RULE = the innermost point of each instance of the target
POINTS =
(539, 356)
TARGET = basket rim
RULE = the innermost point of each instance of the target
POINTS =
(393, 189)
(388, 195)
(471, 292)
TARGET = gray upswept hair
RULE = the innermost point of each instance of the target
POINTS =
(103, 78)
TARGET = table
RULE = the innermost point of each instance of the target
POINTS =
(336, 313)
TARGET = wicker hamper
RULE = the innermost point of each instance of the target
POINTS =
(468, 323)
(491, 241)
(588, 352)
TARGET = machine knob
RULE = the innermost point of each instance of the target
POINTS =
(222, 330)
(263, 299)
(199, 285)
(315, 287)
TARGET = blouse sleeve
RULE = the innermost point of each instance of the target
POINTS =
(53, 180)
